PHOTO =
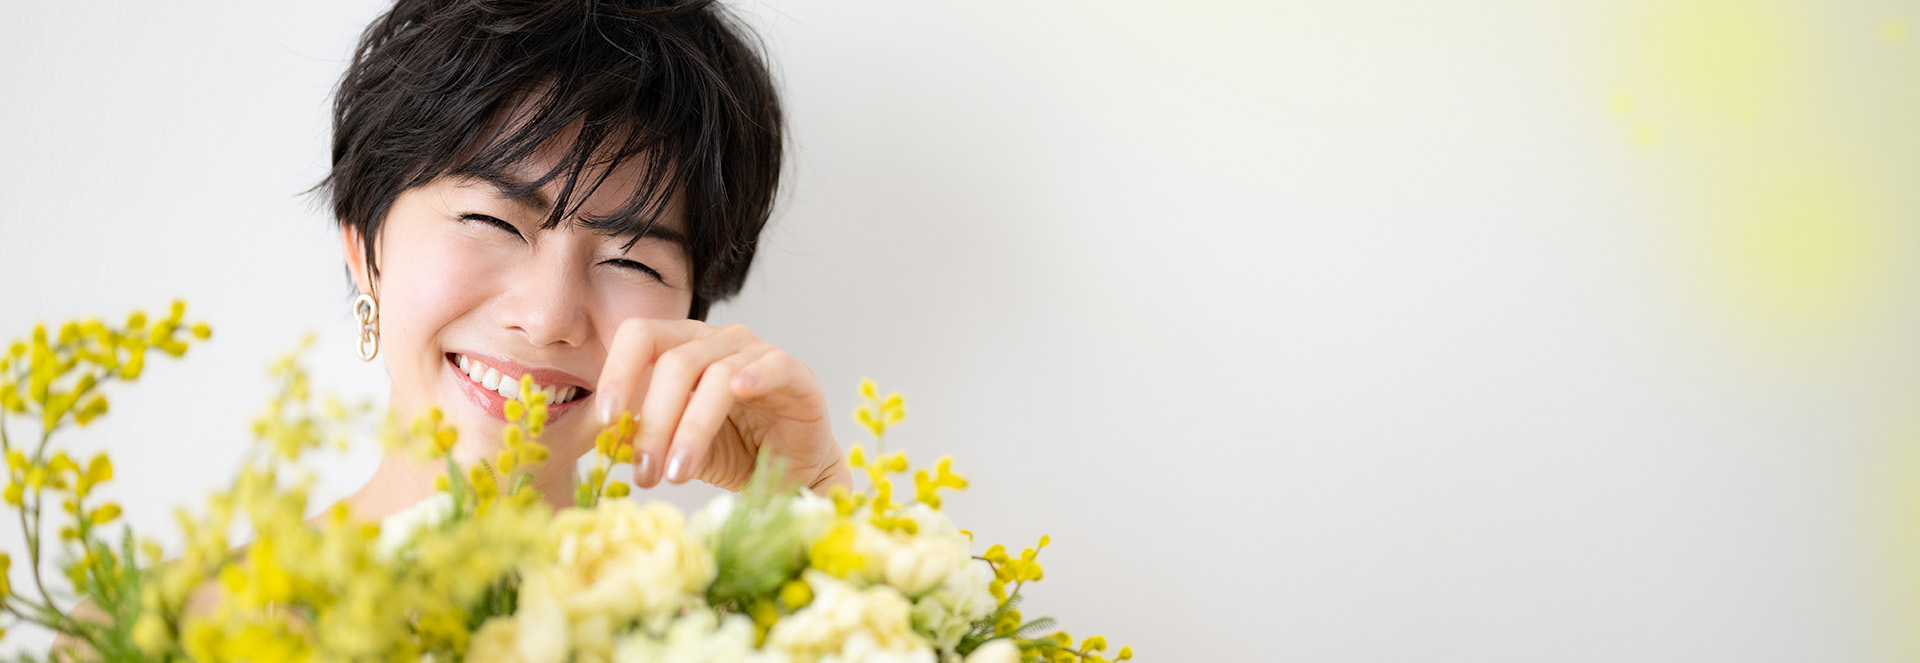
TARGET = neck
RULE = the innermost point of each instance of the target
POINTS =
(399, 482)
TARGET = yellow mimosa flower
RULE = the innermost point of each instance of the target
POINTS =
(795, 594)
(833, 554)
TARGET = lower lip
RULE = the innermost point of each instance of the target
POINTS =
(495, 405)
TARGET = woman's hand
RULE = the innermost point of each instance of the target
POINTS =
(707, 399)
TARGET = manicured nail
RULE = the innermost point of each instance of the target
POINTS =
(643, 470)
(604, 409)
(677, 467)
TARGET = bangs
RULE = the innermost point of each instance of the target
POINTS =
(600, 135)
(676, 90)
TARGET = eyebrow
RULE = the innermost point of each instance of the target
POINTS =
(537, 202)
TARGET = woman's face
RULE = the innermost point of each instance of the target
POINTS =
(472, 291)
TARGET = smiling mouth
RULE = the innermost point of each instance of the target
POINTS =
(490, 379)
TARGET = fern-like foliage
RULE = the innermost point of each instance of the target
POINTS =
(761, 544)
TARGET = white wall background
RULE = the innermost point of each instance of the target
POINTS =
(1377, 330)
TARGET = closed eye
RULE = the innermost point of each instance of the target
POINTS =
(491, 221)
(629, 264)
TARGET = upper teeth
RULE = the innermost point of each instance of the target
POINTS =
(509, 388)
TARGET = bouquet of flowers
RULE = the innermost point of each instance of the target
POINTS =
(484, 571)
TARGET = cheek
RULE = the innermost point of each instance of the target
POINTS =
(440, 281)
(428, 280)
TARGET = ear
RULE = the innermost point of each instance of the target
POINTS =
(356, 256)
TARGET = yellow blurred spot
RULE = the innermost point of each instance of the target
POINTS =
(1806, 247)
(1799, 229)
(1645, 134)
(1621, 103)
(1723, 60)
(1893, 31)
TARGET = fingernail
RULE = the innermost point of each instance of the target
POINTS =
(643, 469)
(677, 467)
(604, 409)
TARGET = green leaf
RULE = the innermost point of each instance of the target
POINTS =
(458, 486)
(1028, 629)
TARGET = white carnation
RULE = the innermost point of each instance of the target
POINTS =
(871, 621)
(948, 612)
(861, 648)
(1001, 650)
(697, 637)
(399, 529)
(931, 522)
(815, 514)
(704, 525)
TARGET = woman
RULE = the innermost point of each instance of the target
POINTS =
(563, 190)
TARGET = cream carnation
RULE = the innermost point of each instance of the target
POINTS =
(494, 643)
(616, 562)
(913, 563)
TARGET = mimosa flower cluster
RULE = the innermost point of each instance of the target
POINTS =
(484, 571)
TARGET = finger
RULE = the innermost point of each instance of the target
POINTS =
(778, 383)
(667, 391)
(712, 401)
(630, 356)
(781, 385)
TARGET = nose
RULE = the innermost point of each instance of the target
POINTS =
(546, 303)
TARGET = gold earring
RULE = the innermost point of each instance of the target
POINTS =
(367, 311)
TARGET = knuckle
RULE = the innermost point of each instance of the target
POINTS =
(638, 332)
(780, 360)
(632, 327)
(673, 362)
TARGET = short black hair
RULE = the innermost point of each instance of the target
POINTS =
(472, 87)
